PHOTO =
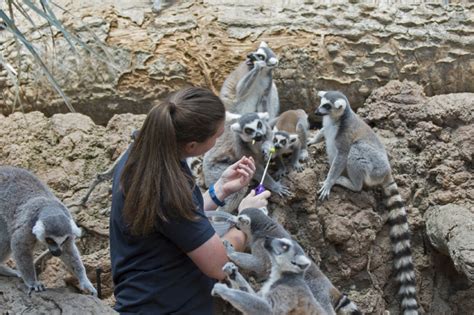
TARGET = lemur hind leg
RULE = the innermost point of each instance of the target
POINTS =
(245, 302)
(357, 168)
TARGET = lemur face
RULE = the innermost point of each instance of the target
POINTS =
(263, 53)
(281, 140)
(287, 255)
(251, 127)
(54, 231)
(333, 103)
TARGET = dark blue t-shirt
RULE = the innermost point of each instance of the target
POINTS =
(153, 274)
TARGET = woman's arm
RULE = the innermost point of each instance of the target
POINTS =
(211, 256)
(233, 179)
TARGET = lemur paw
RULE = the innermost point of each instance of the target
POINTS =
(324, 191)
(228, 247)
(243, 221)
(298, 167)
(37, 286)
(87, 286)
(281, 189)
(230, 269)
(218, 289)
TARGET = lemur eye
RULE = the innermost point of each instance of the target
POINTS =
(327, 106)
(248, 131)
(283, 141)
(285, 247)
(50, 241)
(260, 57)
(259, 125)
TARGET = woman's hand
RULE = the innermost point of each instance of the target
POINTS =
(255, 201)
(235, 177)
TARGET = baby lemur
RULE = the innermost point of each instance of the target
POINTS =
(290, 134)
(250, 87)
(352, 146)
(285, 292)
(258, 226)
(245, 135)
(29, 212)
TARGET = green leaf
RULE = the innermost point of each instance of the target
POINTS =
(10, 26)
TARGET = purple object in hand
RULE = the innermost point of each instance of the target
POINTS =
(259, 189)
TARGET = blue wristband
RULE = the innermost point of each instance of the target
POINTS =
(214, 198)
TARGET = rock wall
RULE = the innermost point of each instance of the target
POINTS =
(355, 47)
(430, 145)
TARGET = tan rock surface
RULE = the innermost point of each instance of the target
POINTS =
(351, 46)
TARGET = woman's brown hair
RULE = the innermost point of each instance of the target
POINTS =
(154, 183)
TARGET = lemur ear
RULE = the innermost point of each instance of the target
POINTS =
(264, 115)
(302, 261)
(275, 129)
(231, 116)
(340, 103)
(321, 93)
(75, 229)
(38, 230)
(235, 127)
(263, 44)
(293, 138)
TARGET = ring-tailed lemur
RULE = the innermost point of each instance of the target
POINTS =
(290, 134)
(257, 226)
(285, 291)
(251, 136)
(353, 146)
(250, 87)
(29, 212)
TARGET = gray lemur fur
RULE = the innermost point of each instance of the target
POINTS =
(290, 134)
(352, 146)
(250, 87)
(236, 143)
(29, 212)
(285, 291)
(258, 226)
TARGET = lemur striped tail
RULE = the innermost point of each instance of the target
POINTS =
(345, 306)
(400, 237)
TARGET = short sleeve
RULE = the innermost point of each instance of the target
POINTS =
(186, 234)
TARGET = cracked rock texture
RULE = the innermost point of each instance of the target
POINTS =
(15, 300)
(430, 146)
(354, 47)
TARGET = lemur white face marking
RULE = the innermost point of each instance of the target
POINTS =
(264, 53)
(281, 141)
(340, 103)
(38, 230)
(321, 93)
(287, 254)
(272, 61)
(327, 106)
(251, 130)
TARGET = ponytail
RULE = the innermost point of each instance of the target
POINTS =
(155, 186)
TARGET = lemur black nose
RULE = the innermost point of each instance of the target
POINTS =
(258, 137)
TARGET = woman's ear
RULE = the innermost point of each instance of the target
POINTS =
(189, 148)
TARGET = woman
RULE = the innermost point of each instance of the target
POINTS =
(165, 254)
